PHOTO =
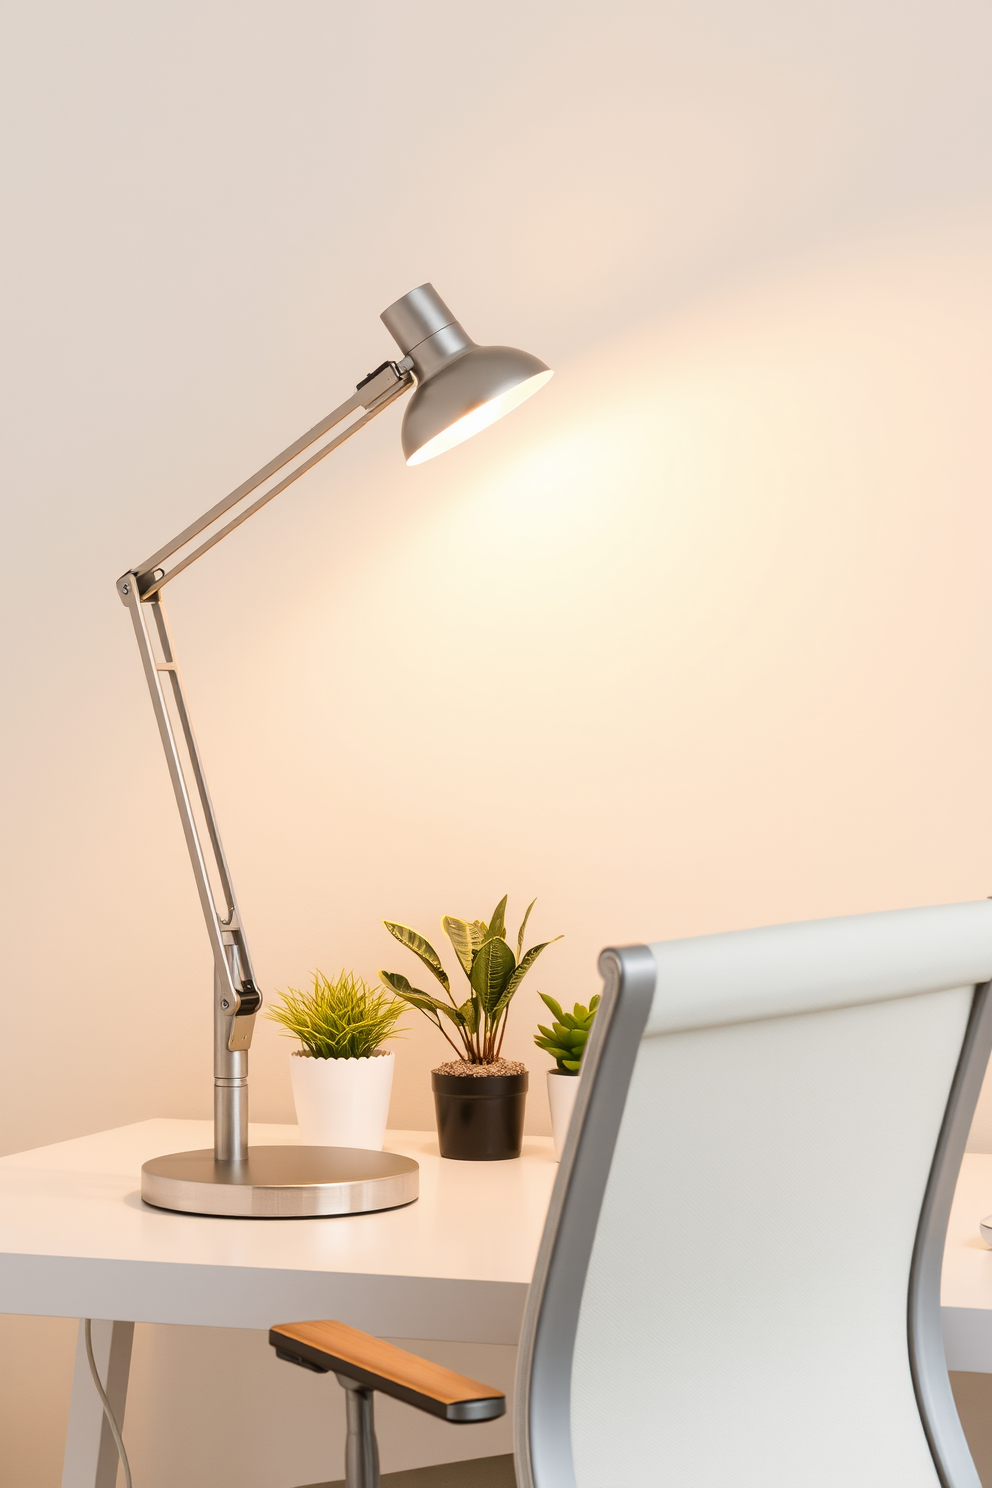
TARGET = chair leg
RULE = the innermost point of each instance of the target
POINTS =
(361, 1457)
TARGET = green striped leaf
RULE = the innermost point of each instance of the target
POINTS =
(497, 924)
(420, 947)
(425, 1001)
(465, 937)
(491, 972)
(469, 1011)
(455, 1014)
(523, 927)
(525, 967)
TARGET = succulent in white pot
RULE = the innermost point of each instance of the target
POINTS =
(565, 1041)
(342, 1077)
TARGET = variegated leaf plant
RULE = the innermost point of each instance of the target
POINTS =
(493, 971)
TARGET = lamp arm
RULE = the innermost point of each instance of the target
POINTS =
(373, 394)
(236, 996)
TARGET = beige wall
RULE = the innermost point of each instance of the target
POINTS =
(698, 639)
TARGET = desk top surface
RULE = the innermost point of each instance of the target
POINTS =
(75, 1237)
(472, 1221)
(77, 1241)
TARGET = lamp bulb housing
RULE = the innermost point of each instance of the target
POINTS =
(461, 388)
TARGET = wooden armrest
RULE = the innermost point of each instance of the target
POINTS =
(330, 1347)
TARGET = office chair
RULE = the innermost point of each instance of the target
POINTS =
(738, 1284)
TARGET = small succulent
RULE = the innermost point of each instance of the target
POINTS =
(565, 1040)
(494, 973)
(340, 1019)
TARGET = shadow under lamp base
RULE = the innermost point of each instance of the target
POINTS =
(281, 1182)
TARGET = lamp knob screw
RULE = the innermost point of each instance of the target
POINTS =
(225, 1004)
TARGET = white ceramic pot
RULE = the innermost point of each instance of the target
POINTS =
(342, 1102)
(561, 1098)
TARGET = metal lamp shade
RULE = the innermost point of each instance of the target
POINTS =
(468, 395)
(462, 388)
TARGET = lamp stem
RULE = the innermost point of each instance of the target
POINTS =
(236, 998)
(230, 1087)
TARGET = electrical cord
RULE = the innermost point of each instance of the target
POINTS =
(115, 1430)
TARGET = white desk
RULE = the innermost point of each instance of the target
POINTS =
(77, 1241)
(966, 1280)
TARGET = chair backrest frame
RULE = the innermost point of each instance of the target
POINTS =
(543, 1440)
(927, 1360)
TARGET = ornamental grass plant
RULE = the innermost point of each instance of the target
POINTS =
(340, 1019)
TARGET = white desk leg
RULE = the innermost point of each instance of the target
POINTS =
(90, 1455)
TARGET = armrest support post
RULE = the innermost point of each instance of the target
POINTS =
(361, 1453)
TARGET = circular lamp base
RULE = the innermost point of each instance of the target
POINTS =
(281, 1182)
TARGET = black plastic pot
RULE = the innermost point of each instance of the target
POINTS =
(480, 1118)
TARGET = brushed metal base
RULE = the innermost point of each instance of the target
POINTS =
(281, 1182)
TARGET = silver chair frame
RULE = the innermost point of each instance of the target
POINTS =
(543, 1439)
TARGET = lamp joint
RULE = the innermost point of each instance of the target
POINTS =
(371, 376)
(251, 1000)
(382, 381)
(239, 1021)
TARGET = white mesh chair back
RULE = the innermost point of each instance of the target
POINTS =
(738, 1285)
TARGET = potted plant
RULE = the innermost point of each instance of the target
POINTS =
(479, 1097)
(341, 1076)
(565, 1041)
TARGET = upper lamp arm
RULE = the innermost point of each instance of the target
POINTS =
(330, 1347)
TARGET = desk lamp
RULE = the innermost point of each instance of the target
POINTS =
(459, 389)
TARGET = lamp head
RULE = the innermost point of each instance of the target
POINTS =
(461, 387)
